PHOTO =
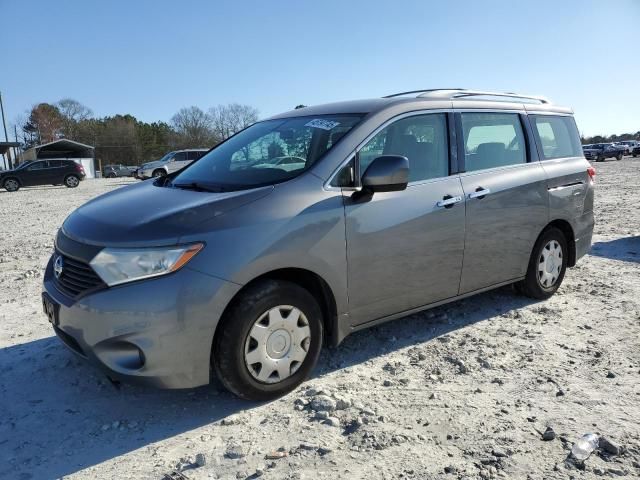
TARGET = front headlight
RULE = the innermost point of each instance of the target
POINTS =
(121, 265)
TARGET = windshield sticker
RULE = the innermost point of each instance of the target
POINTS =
(323, 124)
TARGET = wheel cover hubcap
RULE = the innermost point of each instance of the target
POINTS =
(72, 181)
(11, 184)
(550, 264)
(277, 344)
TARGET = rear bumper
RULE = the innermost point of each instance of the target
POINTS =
(155, 332)
(583, 234)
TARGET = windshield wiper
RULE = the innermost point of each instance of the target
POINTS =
(198, 187)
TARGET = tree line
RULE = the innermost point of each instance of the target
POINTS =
(123, 139)
(610, 138)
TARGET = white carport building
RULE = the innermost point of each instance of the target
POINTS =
(67, 150)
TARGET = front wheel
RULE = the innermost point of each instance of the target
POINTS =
(619, 156)
(547, 265)
(71, 181)
(11, 185)
(269, 340)
(159, 173)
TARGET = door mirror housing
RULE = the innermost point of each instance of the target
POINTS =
(387, 173)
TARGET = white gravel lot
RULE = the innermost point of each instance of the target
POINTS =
(459, 392)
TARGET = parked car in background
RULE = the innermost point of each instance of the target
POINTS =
(235, 266)
(635, 151)
(171, 162)
(628, 145)
(113, 171)
(43, 172)
(286, 163)
(602, 151)
(590, 153)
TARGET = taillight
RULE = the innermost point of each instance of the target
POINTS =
(592, 173)
(79, 168)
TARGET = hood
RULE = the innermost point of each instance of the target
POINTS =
(155, 163)
(144, 214)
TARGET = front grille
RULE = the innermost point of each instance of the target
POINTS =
(76, 277)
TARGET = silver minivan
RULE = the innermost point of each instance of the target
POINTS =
(244, 264)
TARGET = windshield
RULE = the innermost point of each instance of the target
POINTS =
(166, 157)
(267, 152)
(24, 164)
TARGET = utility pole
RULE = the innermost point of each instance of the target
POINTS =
(16, 152)
(6, 137)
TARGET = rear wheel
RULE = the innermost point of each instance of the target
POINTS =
(268, 341)
(11, 185)
(111, 175)
(547, 265)
(72, 181)
(599, 158)
(619, 156)
(159, 173)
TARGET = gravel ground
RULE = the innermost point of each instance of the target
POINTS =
(459, 392)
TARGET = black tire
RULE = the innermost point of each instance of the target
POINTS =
(228, 354)
(619, 156)
(159, 172)
(71, 181)
(600, 159)
(531, 286)
(111, 175)
(11, 184)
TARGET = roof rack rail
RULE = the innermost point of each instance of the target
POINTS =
(453, 93)
(420, 91)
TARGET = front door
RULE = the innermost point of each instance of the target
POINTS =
(506, 198)
(36, 174)
(178, 161)
(405, 249)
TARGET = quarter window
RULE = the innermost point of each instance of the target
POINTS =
(557, 136)
(492, 140)
(422, 139)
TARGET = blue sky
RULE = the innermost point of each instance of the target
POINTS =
(150, 58)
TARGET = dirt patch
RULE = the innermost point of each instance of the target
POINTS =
(461, 391)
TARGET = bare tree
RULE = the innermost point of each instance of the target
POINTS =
(230, 119)
(193, 126)
(72, 113)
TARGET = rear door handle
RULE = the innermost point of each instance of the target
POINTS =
(480, 193)
(448, 201)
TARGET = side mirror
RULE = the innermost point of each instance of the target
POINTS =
(388, 173)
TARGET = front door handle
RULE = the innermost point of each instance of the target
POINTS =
(448, 201)
(480, 193)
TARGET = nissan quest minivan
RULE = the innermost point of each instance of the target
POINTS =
(316, 223)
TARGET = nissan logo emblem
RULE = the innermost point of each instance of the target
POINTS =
(58, 266)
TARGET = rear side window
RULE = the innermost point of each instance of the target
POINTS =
(557, 136)
(492, 140)
(194, 155)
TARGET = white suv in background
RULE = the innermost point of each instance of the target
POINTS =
(628, 145)
(171, 162)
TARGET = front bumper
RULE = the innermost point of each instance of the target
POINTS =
(154, 332)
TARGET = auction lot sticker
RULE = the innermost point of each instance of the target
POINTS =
(323, 124)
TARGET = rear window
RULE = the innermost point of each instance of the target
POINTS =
(557, 136)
